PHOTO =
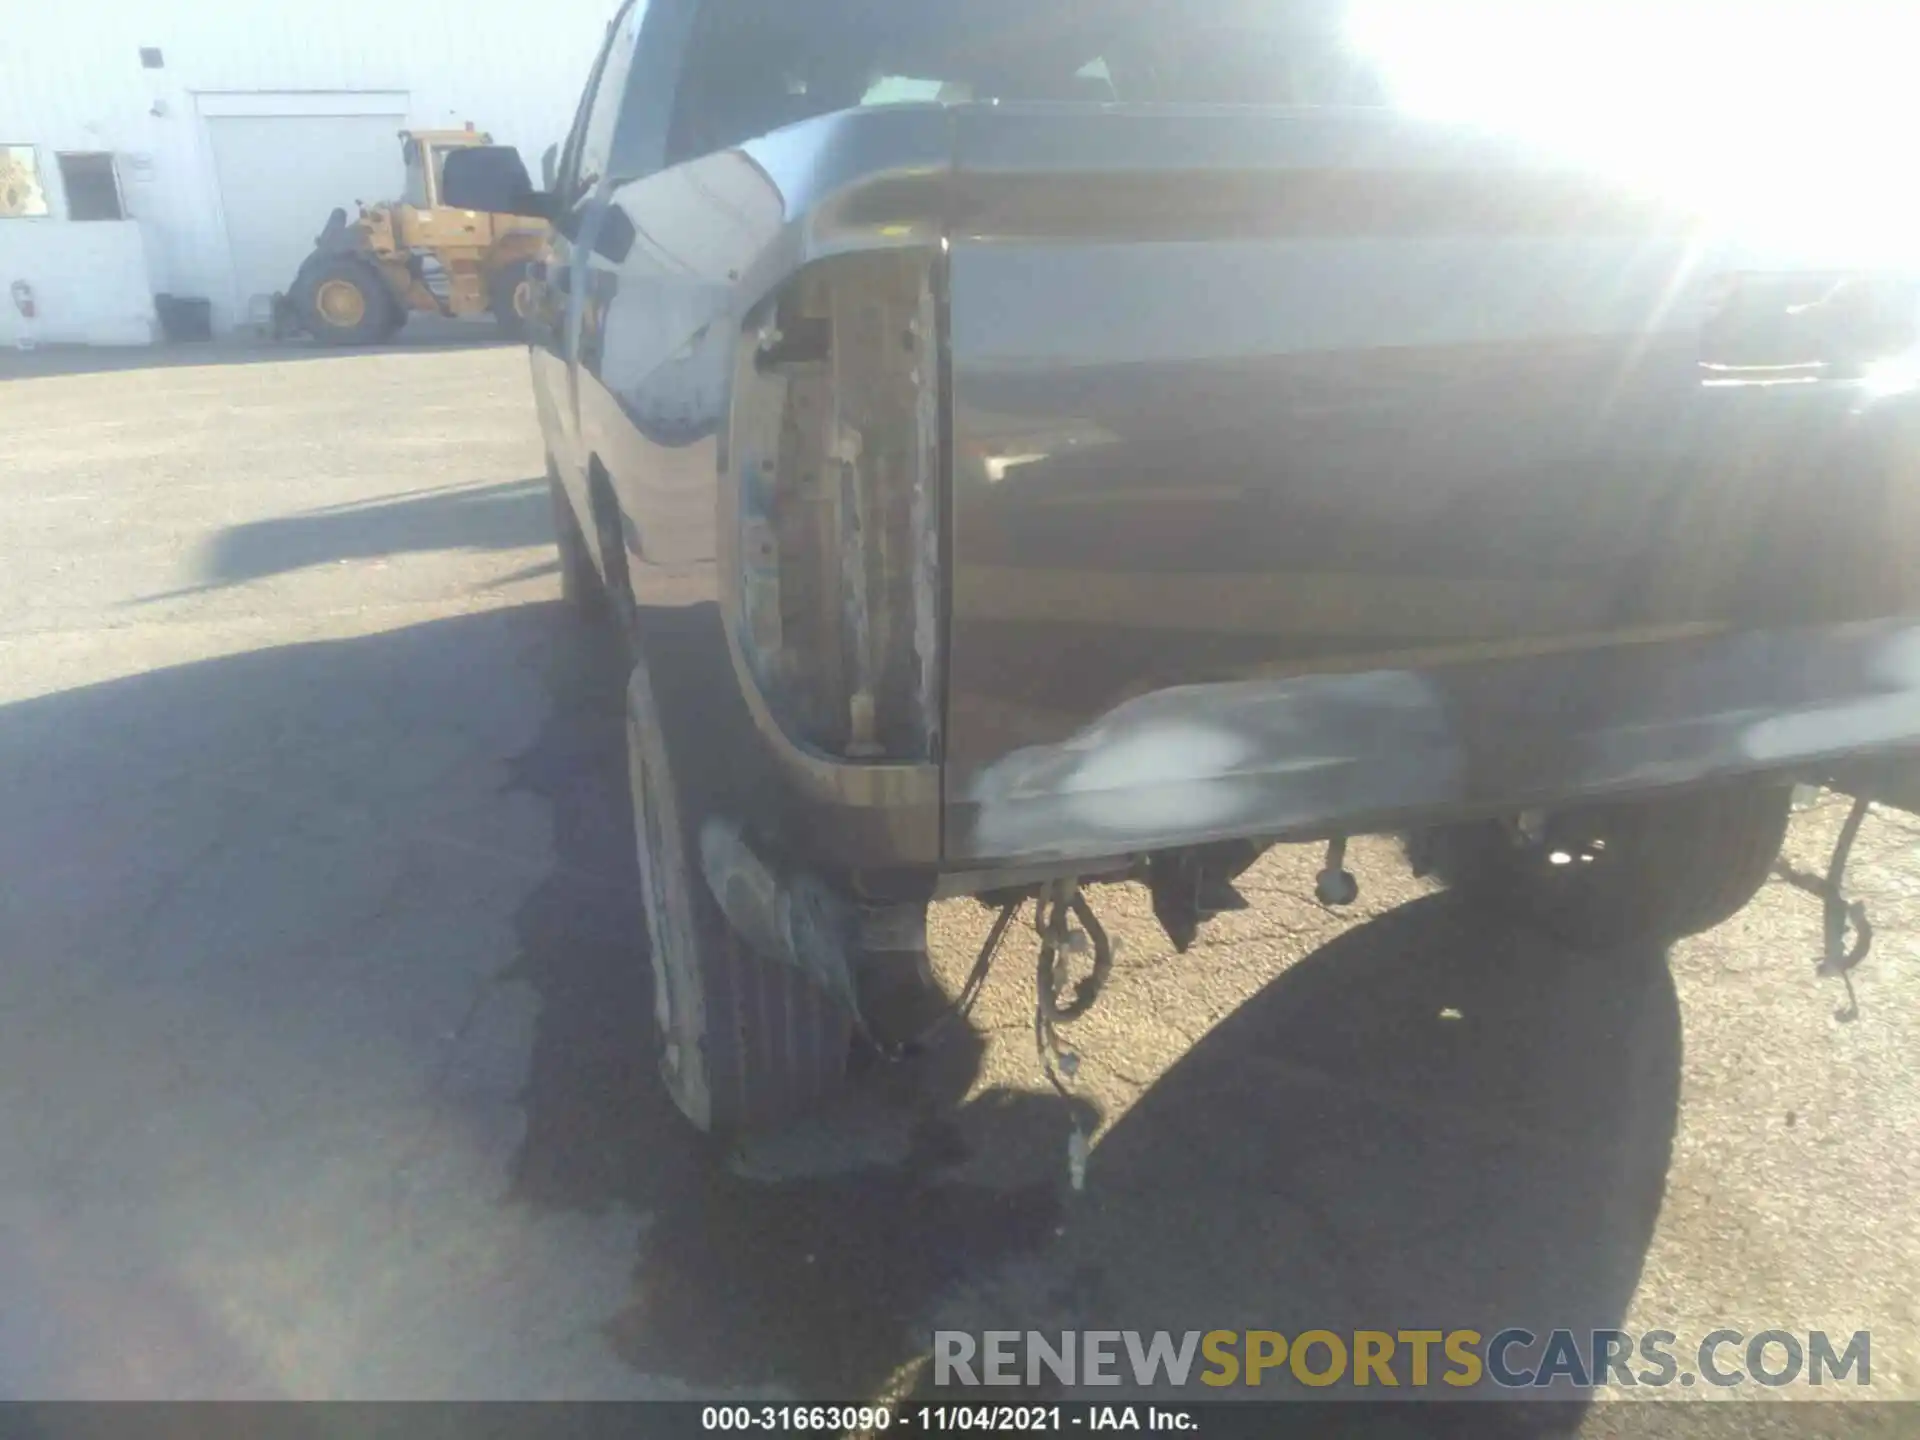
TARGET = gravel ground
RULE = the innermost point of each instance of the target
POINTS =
(323, 1017)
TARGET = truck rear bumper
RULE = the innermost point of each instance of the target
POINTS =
(1307, 756)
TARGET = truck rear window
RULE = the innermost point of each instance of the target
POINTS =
(757, 65)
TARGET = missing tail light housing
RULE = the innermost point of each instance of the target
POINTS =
(836, 455)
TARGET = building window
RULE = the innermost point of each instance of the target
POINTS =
(93, 191)
(20, 191)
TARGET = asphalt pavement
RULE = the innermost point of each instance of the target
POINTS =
(325, 1052)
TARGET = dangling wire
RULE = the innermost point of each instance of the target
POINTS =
(1055, 907)
(1087, 990)
(976, 981)
(1050, 919)
(1840, 915)
(977, 977)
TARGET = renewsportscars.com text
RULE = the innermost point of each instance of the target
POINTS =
(1514, 1359)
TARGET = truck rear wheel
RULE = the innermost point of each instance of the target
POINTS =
(342, 301)
(1608, 875)
(746, 1042)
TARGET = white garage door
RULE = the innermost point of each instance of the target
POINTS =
(280, 175)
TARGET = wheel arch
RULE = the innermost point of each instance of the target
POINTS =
(609, 531)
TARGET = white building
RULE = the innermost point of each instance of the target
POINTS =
(195, 147)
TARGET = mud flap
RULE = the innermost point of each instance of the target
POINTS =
(794, 919)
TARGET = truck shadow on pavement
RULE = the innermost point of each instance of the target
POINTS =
(255, 894)
(1431, 1122)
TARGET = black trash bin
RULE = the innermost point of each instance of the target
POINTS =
(184, 317)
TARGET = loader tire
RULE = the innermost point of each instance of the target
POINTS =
(509, 296)
(1632, 872)
(747, 1043)
(343, 301)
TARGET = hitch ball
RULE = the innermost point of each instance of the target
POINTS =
(1335, 886)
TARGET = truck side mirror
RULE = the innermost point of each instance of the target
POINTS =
(549, 166)
(492, 178)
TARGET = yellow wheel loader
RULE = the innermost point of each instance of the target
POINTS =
(366, 276)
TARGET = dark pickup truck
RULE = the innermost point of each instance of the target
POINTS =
(1034, 444)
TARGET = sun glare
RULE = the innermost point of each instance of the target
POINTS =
(1790, 123)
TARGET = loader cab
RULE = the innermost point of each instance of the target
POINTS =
(425, 155)
(423, 183)
(422, 221)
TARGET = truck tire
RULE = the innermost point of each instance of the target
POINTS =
(746, 1043)
(1631, 872)
(343, 301)
(580, 585)
(508, 296)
